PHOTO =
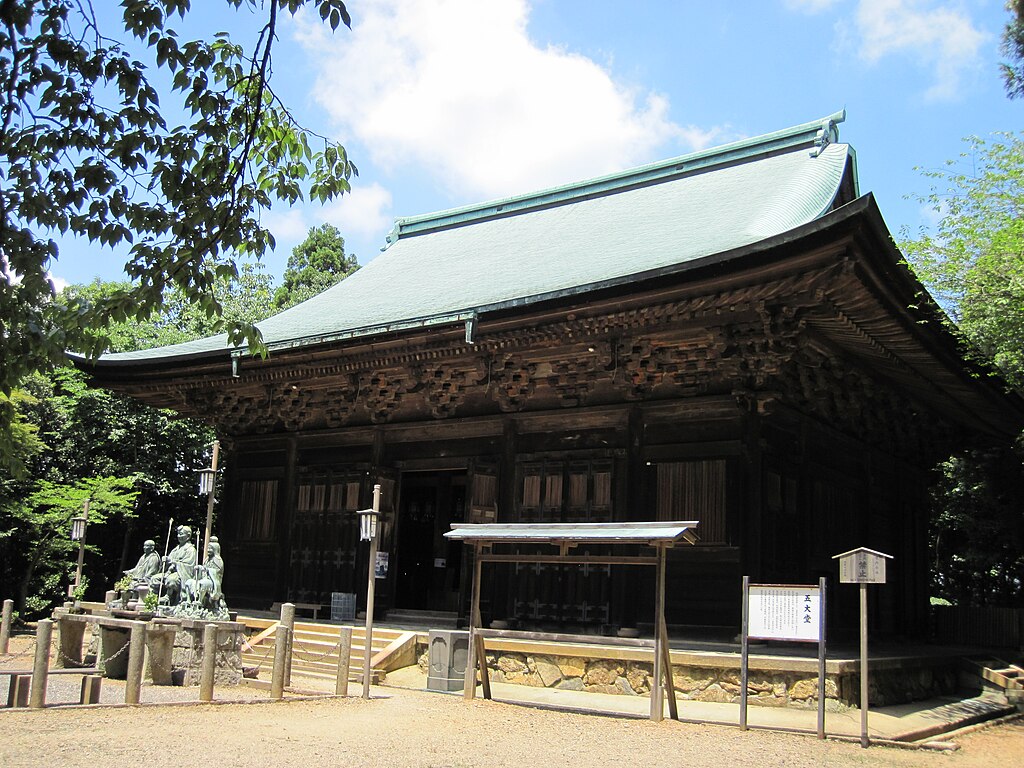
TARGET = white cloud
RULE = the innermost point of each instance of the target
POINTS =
(286, 225)
(938, 36)
(364, 212)
(58, 283)
(458, 88)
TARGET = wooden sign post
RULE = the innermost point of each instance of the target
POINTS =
(863, 566)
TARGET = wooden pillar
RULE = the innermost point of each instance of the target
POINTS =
(469, 686)
(657, 702)
(745, 515)
(287, 498)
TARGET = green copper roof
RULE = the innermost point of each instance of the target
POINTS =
(448, 266)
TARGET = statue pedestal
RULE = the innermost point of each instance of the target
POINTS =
(174, 647)
(187, 659)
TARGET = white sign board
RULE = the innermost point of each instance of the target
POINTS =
(777, 612)
(861, 567)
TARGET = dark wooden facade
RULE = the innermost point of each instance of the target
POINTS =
(784, 396)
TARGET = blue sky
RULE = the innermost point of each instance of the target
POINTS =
(446, 102)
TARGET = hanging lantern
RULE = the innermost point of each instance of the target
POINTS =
(78, 528)
(206, 480)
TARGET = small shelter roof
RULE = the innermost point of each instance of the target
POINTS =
(558, 534)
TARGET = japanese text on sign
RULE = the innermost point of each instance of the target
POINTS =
(784, 612)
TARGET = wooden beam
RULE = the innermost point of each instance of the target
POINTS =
(572, 559)
(558, 637)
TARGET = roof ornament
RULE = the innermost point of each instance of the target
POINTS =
(828, 133)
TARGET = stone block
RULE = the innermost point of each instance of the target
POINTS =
(602, 672)
(691, 680)
(639, 677)
(624, 687)
(548, 673)
(512, 663)
(715, 695)
(571, 666)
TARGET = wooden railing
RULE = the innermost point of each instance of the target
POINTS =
(987, 627)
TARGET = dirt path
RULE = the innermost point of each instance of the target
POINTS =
(415, 728)
(402, 728)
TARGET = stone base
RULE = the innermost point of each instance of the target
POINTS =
(173, 647)
(187, 655)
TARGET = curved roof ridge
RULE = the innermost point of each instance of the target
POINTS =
(816, 135)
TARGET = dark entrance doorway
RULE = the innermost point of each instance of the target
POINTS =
(428, 565)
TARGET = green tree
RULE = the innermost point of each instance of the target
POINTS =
(41, 523)
(978, 529)
(88, 146)
(1013, 47)
(317, 263)
(68, 433)
(973, 261)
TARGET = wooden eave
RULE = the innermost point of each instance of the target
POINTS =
(842, 271)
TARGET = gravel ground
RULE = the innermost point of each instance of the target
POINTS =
(419, 729)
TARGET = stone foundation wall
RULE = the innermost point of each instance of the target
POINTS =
(633, 678)
(770, 688)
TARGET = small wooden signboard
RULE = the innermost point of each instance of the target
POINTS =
(863, 566)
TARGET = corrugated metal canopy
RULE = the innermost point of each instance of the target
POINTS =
(668, 532)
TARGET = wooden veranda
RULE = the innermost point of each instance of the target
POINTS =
(567, 537)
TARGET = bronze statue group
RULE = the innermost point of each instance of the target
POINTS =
(183, 586)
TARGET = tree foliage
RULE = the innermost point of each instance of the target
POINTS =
(70, 433)
(1013, 47)
(317, 263)
(973, 261)
(978, 529)
(88, 147)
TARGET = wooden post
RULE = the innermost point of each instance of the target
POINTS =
(5, 626)
(864, 741)
(344, 661)
(822, 623)
(41, 667)
(136, 657)
(744, 653)
(288, 620)
(370, 589)
(670, 684)
(657, 704)
(469, 688)
(280, 662)
(209, 667)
